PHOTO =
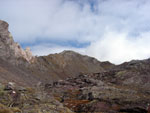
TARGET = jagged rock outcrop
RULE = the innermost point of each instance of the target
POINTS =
(10, 50)
(14, 60)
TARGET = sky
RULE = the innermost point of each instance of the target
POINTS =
(109, 30)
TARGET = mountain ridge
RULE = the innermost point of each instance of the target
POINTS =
(45, 68)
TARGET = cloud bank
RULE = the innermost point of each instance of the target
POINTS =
(114, 30)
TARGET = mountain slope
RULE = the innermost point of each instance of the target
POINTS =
(11, 73)
(67, 64)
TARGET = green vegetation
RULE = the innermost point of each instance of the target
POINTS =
(120, 73)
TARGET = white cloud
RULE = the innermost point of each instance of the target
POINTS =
(118, 47)
(117, 30)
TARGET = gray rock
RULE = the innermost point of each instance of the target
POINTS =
(10, 50)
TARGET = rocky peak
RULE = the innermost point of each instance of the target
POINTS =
(28, 54)
(4, 26)
(10, 50)
(69, 52)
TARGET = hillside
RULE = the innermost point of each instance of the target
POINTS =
(66, 64)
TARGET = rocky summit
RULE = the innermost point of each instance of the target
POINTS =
(10, 50)
(69, 82)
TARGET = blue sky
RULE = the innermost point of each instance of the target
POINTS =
(113, 30)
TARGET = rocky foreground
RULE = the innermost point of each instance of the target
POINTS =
(17, 99)
(86, 93)
(101, 92)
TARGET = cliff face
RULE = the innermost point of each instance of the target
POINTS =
(10, 50)
(13, 59)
